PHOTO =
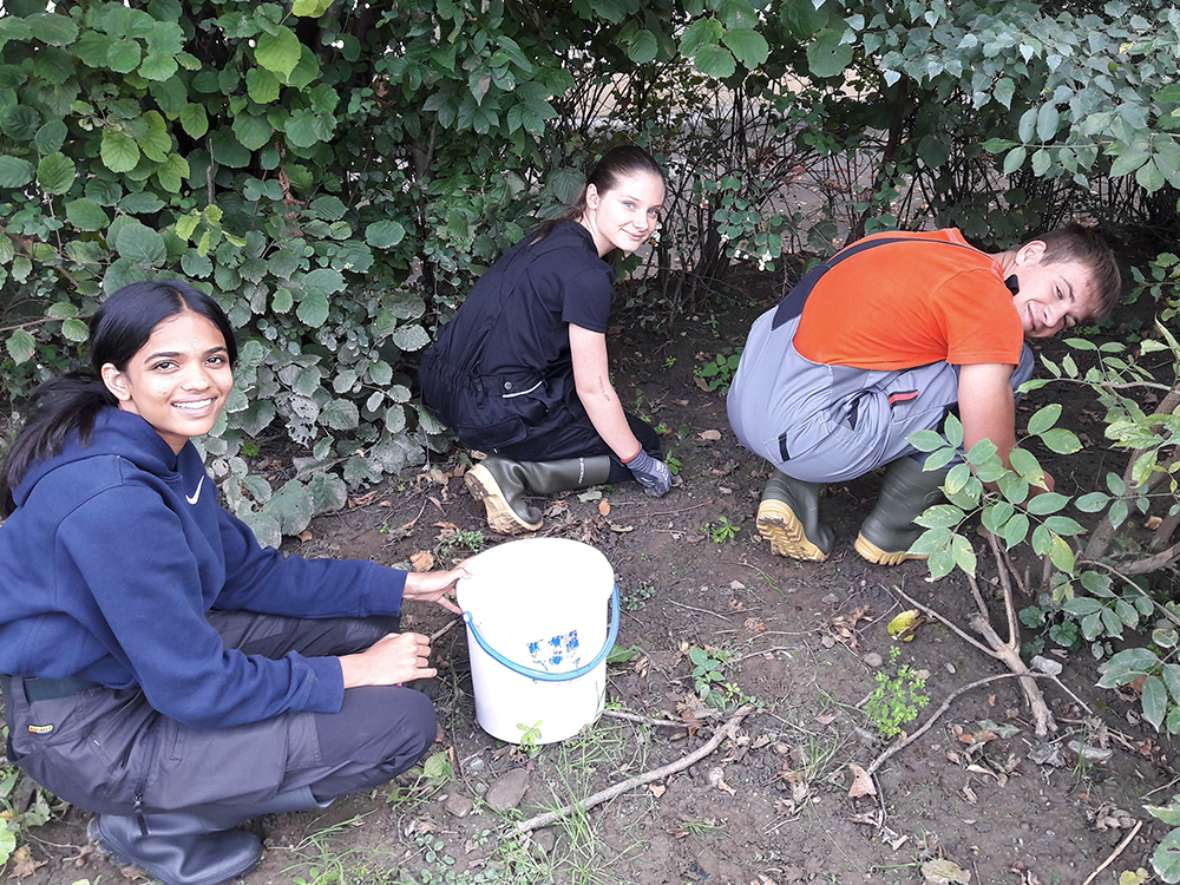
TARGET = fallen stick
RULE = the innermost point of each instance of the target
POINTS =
(727, 730)
(643, 720)
(441, 631)
(892, 749)
(1119, 849)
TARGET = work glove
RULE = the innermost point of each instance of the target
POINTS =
(651, 473)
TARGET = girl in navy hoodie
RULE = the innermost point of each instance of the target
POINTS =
(163, 669)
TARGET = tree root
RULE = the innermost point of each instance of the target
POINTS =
(727, 730)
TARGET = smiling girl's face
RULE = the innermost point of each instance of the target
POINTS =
(625, 216)
(178, 381)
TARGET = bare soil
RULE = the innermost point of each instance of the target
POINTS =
(803, 640)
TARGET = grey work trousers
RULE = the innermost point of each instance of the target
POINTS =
(109, 751)
(831, 423)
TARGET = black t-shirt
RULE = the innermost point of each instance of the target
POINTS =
(516, 317)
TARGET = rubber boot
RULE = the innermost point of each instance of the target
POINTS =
(196, 846)
(888, 531)
(788, 517)
(502, 484)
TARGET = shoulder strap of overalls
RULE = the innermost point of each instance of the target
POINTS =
(792, 305)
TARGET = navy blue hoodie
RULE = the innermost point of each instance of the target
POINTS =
(116, 551)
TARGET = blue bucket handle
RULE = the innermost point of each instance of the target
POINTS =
(542, 675)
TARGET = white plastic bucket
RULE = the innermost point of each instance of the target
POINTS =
(537, 637)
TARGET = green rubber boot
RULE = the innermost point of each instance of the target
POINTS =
(888, 531)
(502, 484)
(788, 517)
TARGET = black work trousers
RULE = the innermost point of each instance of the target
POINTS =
(109, 751)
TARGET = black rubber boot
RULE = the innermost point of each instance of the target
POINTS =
(196, 846)
(788, 517)
(888, 531)
(502, 484)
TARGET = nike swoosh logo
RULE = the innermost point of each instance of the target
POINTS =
(192, 499)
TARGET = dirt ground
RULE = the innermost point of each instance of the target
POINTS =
(801, 641)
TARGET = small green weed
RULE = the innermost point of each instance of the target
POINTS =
(530, 738)
(669, 362)
(18, 815)
(716, 373)
(635, 599)
(709, 680)
(429, 778)
(898, 698)
(674, 465)
(722, 530)
(461, 542)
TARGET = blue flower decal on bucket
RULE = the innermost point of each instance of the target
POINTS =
(551, 652)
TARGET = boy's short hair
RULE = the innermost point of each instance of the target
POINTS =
(1083, 243)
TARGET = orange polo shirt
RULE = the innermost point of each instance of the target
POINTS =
(903, 305)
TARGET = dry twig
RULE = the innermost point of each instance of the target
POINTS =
(1119, 849)
(643, 720)
(727, 730)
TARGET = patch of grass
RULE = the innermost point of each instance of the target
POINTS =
(636, 598)
(898, 698)
(460, 543)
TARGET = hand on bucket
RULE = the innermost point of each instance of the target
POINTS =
(391, 660)
(436, 587)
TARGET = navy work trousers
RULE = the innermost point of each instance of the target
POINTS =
(109, 751)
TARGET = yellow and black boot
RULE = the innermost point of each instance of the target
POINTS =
(788, 517)
(889, 530)
(502, 484)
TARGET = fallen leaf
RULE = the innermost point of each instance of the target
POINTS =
(591, 495)
(862, 782)
(1152, 523)
(604, 507)
(945, 872)
(709, 435)
(1136, 877)
(422, 561)
(657, 790)
(23, 864)
(904, 625)
(620, 528)
(306, 535)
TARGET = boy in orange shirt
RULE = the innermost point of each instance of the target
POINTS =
(881, 341)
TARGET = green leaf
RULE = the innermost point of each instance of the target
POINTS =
(952, 428)
(21, 346)
(340, 414)
(1014, 159)
(925, 440)
(194, 120)
(1061, 554)
(313, 309)
(827, 56)
(56, 30)
(138, 242)
(1046, 502)
(411, 338)
(119, 151)
(75, 330)
(940, 516)
(981, 452)
(1169, 814)
(384, 234)
(86, 214)
(643, 48)
(50, 137)
(1061, 441)
(1025, 463)
(1064, 526)
(252, 132)
(1092, 502)
(1082, 606)
(323, 281)
(262, 86)
(56, 173)
(1043, 419)
(964, 554)
(1047, 121)
(157, 66)
(1172, 681)
(15, 172)
(997, 145)
(1003, 93)
(715, 61)
(1015, 530)
(702, 32)
(747, 45)
(957, 478)
(124, 55)
(278, 52)
(939, 459)
(310, 8)
(1154, 701)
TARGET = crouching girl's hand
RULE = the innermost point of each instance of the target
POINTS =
(391, 660)
(436, 587)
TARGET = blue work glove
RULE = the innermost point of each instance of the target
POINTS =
(651, 473)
